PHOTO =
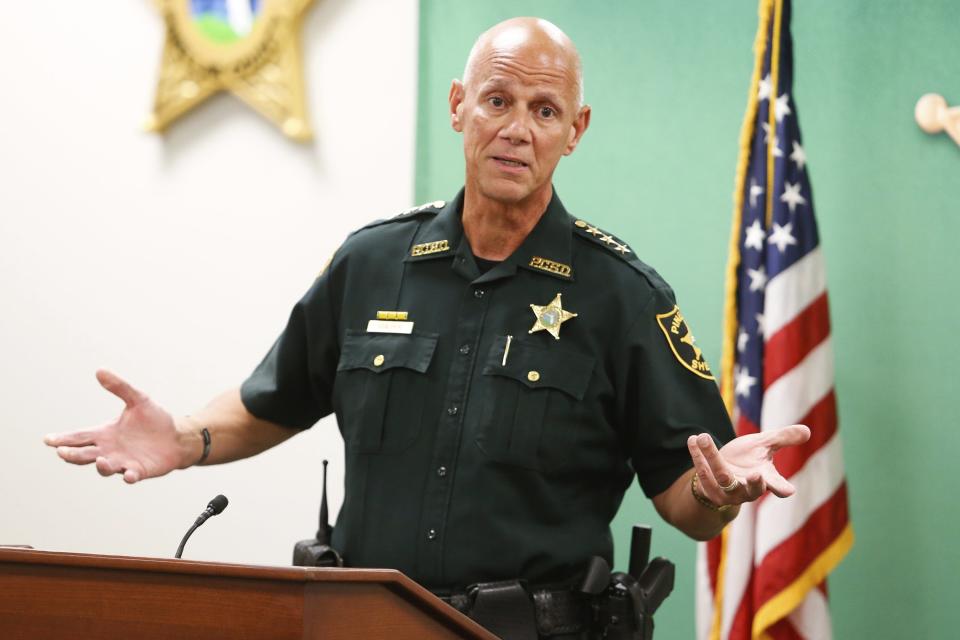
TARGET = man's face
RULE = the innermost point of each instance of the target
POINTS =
(518, 114)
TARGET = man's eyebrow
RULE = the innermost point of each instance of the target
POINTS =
(497, 84)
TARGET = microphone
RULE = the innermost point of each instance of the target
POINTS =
(214, 507)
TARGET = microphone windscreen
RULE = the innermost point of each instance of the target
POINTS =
(218, 504)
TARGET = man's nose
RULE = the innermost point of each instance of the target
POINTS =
(517, 129)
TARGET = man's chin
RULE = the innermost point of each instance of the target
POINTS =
(506, 191)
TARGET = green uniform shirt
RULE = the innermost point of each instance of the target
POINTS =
(475, 449)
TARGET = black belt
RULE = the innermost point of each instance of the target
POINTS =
(511, 611)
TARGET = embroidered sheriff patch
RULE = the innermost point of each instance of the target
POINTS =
(682, 342)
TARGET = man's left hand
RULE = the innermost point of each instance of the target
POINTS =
(743, 469)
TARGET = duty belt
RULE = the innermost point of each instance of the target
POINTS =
(511, 611)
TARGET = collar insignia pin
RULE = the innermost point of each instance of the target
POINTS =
(550, 317)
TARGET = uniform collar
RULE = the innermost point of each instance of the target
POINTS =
(545, 251)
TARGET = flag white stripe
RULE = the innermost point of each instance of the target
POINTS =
(791, 291)
(737, 565)
(795, 393)
(820, 477)
(704, 595)
(812, 618)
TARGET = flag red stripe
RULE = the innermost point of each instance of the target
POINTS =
(742, 626)
(791, 344)
(745, 425)
(783, 564)
(714, 548)
(822, 421)
(784, 630)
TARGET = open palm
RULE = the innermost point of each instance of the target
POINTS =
(141, 443)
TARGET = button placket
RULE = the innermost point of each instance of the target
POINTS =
(469, 327)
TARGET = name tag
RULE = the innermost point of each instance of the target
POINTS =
(389, 326)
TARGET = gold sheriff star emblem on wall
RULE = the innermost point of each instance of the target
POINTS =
(550, 317)
(250, 48)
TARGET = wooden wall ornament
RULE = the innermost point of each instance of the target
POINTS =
(248, 47)
(933, 115)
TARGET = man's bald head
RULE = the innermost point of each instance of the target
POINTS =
(552, 46)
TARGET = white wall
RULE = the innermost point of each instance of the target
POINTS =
(174, 260)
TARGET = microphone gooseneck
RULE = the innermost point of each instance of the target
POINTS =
(214, 507)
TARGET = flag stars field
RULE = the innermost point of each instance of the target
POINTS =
(791, 196)
(765, 89)
(781, 108)
(798, 155)
(781, 237)
(755, 192)
(755, 236)
(758, 278)
(743, 381)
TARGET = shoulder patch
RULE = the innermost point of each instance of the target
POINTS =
(682, 342)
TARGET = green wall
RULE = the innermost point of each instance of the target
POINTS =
(668, 83)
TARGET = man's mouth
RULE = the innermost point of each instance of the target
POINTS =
(510, 162)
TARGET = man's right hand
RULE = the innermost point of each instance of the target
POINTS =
(144, 442)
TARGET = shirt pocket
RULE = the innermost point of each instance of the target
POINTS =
(381, 379)
(532, 395)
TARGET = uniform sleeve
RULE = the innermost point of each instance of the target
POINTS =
(671, 395)
(293, 384)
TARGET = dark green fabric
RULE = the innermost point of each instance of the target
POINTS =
(460, 469)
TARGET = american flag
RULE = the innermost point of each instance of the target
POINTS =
(765, 576)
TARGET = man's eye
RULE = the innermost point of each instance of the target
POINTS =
(497, 101)
(547, 112)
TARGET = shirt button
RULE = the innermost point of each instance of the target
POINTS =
(453, 410)
(378, 360)
(432, 534)
(478, 293)
(465, 349)
(442, 472)
(533, 376)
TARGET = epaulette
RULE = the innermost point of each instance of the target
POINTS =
(429, 208)
(433, 207)
(613, 244)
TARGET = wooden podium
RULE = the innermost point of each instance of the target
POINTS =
(70, 595)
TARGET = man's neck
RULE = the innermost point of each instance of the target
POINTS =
(495, 229)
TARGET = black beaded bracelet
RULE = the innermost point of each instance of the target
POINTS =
(205, 434)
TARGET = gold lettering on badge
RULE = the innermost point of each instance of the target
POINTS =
(392, 315)
(429, 247)
(550, 266)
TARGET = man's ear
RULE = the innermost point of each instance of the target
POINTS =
(456, 105)
(578, 128)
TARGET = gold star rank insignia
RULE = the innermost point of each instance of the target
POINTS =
(248, 47)
(550, 317)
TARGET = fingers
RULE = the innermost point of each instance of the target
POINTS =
(721, 472)
(120, 387)
(789, 436)
(79, 455)
(71, 439)
(107, 467)
(779, 486)
(754, 486)
(708, 483)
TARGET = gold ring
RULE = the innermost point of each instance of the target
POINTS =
(733, 486)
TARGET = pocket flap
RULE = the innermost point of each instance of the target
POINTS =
(538, 367)
(379, 352)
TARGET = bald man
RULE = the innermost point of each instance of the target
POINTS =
(500, 370)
